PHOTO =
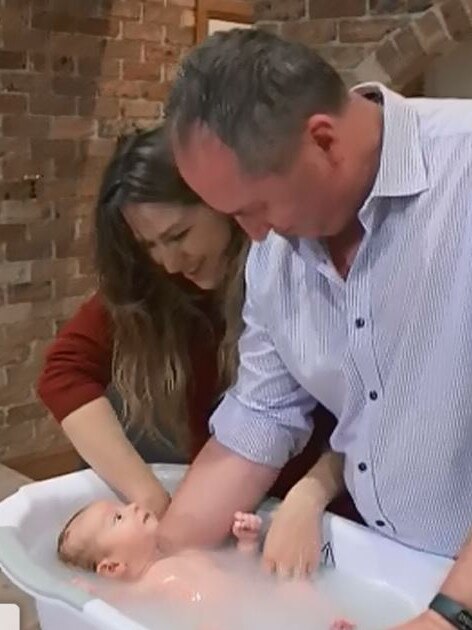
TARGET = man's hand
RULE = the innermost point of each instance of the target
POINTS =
(293, 542)
(429, 620)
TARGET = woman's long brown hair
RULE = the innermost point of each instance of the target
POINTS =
(157, 319)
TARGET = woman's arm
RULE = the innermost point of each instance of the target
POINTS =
(98, 437)
(72, 384)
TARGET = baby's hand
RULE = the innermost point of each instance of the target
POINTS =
(293, 543)
(246, 526)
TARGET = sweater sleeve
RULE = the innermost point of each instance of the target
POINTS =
(77, 367)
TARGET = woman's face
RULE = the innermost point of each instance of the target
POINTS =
(189, 240)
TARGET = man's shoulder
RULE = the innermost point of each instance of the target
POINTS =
(444, 118)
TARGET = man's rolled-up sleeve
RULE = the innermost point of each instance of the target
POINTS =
(265, 417)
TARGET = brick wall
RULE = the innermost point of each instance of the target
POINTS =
(391, 41)
(73, 75)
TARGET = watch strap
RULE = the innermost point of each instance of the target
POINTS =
(452, 611)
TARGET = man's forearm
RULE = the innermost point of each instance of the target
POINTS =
(218, 484)
(324, 482)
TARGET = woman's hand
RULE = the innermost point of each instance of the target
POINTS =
(157, 500)
(293, 543)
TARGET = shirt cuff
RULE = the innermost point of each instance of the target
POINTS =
(259, 437)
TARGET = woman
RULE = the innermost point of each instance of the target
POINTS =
(162, 329)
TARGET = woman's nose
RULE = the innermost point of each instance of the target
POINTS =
(171, 261)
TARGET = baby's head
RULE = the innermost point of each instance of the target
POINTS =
(110, 538)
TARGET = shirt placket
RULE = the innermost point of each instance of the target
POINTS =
(361, 347)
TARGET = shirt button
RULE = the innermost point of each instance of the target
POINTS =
(362, 466)
(373, 395)
(380, 523)
(360, 322)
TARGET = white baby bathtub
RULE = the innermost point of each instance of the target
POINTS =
(38, 511)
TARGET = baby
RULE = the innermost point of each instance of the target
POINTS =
(119, 541)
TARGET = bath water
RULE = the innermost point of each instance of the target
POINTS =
(264, 603)
(260, 603)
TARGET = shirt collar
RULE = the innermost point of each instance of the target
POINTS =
(402, 170)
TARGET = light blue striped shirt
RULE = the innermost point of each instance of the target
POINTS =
(388, 351)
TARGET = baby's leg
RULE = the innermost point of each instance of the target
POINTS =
(246, 529)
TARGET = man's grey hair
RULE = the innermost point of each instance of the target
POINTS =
(255, 92)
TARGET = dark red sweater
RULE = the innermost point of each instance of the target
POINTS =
(77, 370)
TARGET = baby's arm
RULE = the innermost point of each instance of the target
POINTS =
(246, 529)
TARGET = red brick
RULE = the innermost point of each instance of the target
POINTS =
(283, 10)
(20, 166)
(12, 60)
(456, 19)
(43, 270)
(26, 332)
(68, 168)
(156, 12)
(76, 44)
(58, 149)
(190, 4)
(23, 413)
(130, 9)
(20, 382)
(388, 57)
(86, 265)
(418, 6)
(143, 32)
(17, 440)
(75, 286)
(98, 67)
(122, 49)
(311, 32)
(37, 62)
(156, 91)
(26, 39)
(53, 105)
(97, 147)
(67, 246)
(121, 89)
(431, 31)
(140, 108)
(74, 86)
(12, 232)
(28, 250)
(13, 145)
(17, 211)
(158, 53)
(64, 64)
(343, 57)
(12, 103)
(29, 292)
(101, 107)
(71, 127)
(25, 126)
(339, 8)
(84, 8)
(408, 44)
(14, 354)
(26, 82)
(184, 35)
(141, 71)
(14, 191)
(170, 72)
(371, 30)
(67, 23)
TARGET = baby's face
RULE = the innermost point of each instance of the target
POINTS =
(124, 536)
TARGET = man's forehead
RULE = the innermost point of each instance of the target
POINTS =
(211, 168)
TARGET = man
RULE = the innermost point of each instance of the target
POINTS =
(360, 296)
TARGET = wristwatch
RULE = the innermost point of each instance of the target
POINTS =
(455, 613)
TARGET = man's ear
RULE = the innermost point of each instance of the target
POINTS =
(111, 569)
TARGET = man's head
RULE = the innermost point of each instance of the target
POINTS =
(110, 539)
(259, 132)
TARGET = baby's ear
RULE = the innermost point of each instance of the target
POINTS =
(111, 569)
